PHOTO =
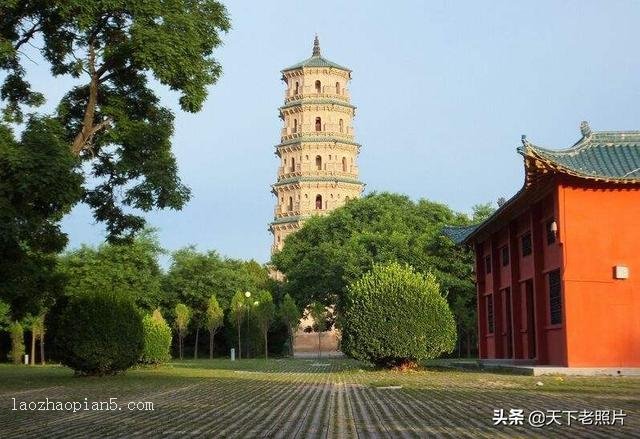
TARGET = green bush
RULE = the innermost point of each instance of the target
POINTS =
(16, 332)
(97, 333)
(394, 316)
(157, 339)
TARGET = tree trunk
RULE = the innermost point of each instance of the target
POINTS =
(211, 334)
(459, 342)
(290, 341)
(468, 344)
(239, 344)
(180, 345)
(42, 349)
(195, 348)
(319, 344)
(33, 348)
(266, 349)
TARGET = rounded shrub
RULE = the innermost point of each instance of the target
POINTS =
(157, 339)
(97, 333)
(394, 317)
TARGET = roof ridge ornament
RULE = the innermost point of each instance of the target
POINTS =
(316, 46)
(524, 140)
(585, 129)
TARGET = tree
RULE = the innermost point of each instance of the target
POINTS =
(112, 119)
(394, 317)
(16, 331)
(96, 333)
(157, 339)
(238, 312)
(183, 316)
(4, 315)
(214, 319)
(36, 325)
(331, 251)
(39, 183)
(318, 313)
(128, 268)
(264, 312)
(290, 315)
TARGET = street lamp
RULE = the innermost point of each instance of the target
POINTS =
(247, 294)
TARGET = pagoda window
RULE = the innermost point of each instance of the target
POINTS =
(293, 164)
(319, 162)
(318, 202)
(297, 88)
(505, 255)
(344, 164)
(490, 320)
(318, 87)
(290, 203)
(341, 124)
(318, 124)
(337, 88)
(295, 125)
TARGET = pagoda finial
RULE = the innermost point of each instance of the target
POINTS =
(585, 129)
(316, 46)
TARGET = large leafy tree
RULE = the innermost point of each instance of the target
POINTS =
(329, 252)
(130, 269)
(263, 313)
(112, 119)
(39, 183)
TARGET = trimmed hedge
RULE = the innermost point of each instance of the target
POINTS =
(98, 333)
(394, 316)
(157, 339)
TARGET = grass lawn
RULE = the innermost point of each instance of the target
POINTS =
(306, 398)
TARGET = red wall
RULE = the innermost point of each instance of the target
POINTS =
(600, 228)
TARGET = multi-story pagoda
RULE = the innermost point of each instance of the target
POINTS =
(318, 154)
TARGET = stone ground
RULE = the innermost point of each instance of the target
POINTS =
(307, 398)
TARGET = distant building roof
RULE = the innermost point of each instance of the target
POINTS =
(605, 156)
(316, 60)
(459, 234)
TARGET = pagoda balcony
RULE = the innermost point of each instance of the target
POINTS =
(310, 170)
(283, 211)
(347, 134)
(312, 93)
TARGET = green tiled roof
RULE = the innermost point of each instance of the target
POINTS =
(316, 60)
(317, 102)
(459, 234)
(317, 139)
(312, 179)
(601, 155)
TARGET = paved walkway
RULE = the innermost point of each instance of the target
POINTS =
(321, 398)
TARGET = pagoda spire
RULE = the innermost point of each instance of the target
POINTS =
(316, 46)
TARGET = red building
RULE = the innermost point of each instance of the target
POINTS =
(558, 265)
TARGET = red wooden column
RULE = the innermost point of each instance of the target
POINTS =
(498, 314)
(539, 286)
(480, 302)
(516, 293)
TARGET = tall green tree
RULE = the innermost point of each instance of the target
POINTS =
(16, 332)
(128, 268)
(264, 312)
(183, 317)
(39, 183)
(214, 320)
(238, 311)
(329, 252)
(290, 315)
(318, 312)
(112, 119)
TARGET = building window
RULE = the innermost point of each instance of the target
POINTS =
(297, 88)
(526, 244)
(295, 125)
(337, 88)
(318, 202)
(504, 251)
(293, 164)
(551, 234)
(490, 321)
(341, 125)
(555, 299)
(318, 86)
(487, 264)
(319, 162)
(344, 164)
(290, 203)
(318, 124)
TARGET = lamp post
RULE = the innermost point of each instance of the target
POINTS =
(247, 295)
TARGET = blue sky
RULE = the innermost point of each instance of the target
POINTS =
(444, 91)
